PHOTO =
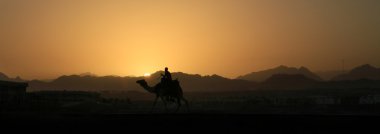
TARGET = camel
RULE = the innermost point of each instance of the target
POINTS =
(166, 94)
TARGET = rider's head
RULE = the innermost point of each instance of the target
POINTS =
(166, 68)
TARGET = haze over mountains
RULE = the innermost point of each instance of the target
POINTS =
(191, 82)
(6, 78)
(261, 76)
(329, 75)
(281, 77)
(288, 82)
(362, 72)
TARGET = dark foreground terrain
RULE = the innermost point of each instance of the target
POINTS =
(188, 123)
(245, 112)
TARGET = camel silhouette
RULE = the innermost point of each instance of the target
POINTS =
(170, 93)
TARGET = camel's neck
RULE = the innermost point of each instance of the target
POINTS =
(147, 87)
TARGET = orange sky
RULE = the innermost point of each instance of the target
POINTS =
(47, 38)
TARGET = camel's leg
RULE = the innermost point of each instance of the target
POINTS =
(163, 100)
(179, 103)
(187, 104)
(154, 104)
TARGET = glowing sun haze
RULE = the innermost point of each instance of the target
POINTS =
(48, 38)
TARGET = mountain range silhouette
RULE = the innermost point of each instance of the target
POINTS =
(362, 72)
(192, 82)
(4, 77)
(288, 82)
(261, 76)
(278, 78)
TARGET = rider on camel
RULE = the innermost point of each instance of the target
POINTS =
(166, 80)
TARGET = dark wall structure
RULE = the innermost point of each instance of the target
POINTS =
(12, 92)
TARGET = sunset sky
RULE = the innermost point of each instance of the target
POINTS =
(43, 39)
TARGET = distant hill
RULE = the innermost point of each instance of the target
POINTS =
(328, 75)
(87, 74)
(288, 82)
(265, 74)
(362, 72)
(189, 83)
(4, 77)
(85, 83)
(301, 82)
(280, 78)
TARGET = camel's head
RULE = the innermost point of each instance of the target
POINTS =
(142, 82)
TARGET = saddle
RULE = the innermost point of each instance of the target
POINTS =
(166, 83)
